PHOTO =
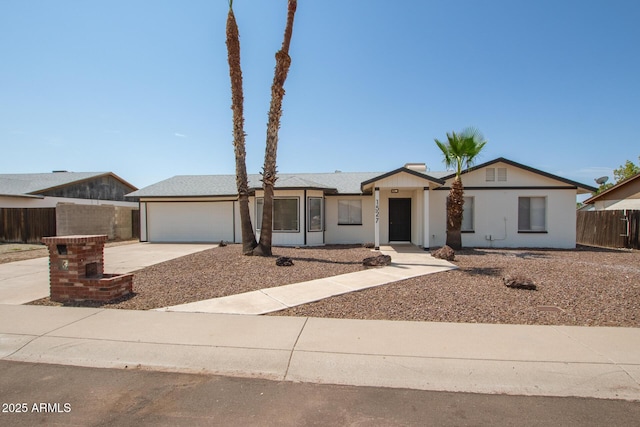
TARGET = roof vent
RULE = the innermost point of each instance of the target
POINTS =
(419, 167)
(60, 171)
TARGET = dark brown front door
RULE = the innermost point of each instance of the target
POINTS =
(399, 220)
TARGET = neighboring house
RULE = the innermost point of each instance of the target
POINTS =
(507, 204)
(84, 202)
(623, 195)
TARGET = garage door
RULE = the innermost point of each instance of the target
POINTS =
(190, 221)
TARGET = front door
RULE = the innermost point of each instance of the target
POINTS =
(399, 220)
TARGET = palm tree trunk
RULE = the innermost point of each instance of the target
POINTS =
(242, 181)
(283, 61)
(455, 203)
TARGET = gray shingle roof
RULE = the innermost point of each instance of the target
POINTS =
(225, 185)
(337, 182)
(29, 184)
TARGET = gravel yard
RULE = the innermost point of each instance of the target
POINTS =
(586, 286)
(225, 271)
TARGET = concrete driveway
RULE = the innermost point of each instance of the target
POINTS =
(25, 281)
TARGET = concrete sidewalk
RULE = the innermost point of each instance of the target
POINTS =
(511, 359)
(25, 281)
(406, 261)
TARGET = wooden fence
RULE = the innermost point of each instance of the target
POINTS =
(611, 229)
(26, 225)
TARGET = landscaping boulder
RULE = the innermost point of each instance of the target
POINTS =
(369, 245)
(377, 261)
(445, 253)
(222, 244)
(284, 261)
(519, 282)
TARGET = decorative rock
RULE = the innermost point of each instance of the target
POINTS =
(284, 261)
(377, 261)
(519, 282)
(222, 243)
(445, 253)
(369, 245)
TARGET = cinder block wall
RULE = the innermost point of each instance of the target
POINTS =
(123, 226)
(114, 221)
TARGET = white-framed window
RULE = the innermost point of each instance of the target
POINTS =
(468, 209)
(349, 212)
(532, 214)
(259, 208)
(314, 214)
(490, 174)
(285, 213)
(502, 174)
(496, 174)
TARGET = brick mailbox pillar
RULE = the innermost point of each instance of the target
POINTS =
(76, 270)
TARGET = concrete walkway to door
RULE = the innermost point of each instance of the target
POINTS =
(25, 281)
(406, 261)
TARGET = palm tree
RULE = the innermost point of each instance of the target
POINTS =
(242, 182)
(461, 149)
(283, 61)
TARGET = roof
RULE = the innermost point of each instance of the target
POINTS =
(32, 184)
(337, 182)
(225, 185)
(431, 176)
(588, 188)
(616, 187)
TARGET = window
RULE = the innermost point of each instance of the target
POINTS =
(315, 214)
(259, 208)
(285, 214)
(532, 214)
(490, 174)
(349, 212)
(467, 215)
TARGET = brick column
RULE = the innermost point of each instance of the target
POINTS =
(76, 270)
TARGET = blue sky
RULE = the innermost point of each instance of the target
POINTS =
(141, 88)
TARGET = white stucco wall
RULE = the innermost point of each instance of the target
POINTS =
(496, 219)
(496, 210)
(349, 234)
(613, 205)
(516, 177)
(144, 237)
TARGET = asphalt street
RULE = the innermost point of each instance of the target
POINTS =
(43, 394)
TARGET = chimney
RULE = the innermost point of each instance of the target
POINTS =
(418, 167)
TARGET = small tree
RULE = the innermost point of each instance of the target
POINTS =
(625, 171)
(461, 149)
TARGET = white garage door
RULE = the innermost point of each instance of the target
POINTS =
(190, 221)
